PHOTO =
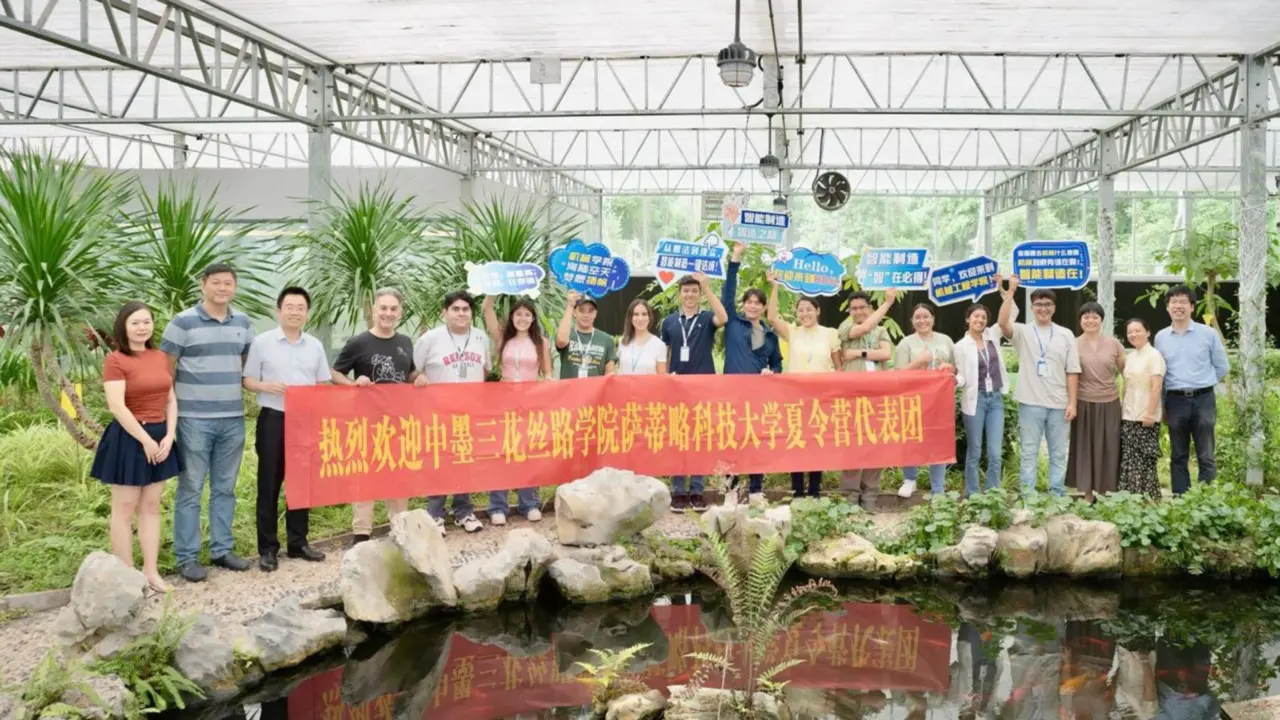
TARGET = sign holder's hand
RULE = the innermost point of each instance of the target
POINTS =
(739, 250)
(571, 299)
(363, 381)
(772, 276)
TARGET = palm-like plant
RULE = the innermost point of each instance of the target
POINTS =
(497, 231)
(179, 233)
(360, 242)
(61, 240)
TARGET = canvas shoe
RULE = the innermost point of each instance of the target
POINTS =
(471, 524)
(908, 489)
(497, 518)
(534, 515)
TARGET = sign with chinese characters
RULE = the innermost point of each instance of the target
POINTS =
(589, 269)
(504, 278)
(352, 444)
(753, 226)
(1052, 263)
(677, 258)
(966, 280)
(806, 272)
(897, 268)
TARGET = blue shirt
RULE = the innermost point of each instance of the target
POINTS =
(1193, 359)
(739, 357)
(210, 355)
(701, 333)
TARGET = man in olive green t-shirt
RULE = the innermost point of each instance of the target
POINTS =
(584, 350)
(866, 347)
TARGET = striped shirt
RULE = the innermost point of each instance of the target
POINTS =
(210, 361)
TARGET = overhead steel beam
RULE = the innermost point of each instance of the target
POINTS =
(1158, 132)
(215, 65)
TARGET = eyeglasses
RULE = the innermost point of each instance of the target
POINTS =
(1042, 305)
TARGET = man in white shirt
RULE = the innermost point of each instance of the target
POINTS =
(455, 352)
(277, 359)
(1048, 375)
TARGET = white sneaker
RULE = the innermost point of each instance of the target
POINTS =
(471, 524)
(497, 518)
(534, 515)
(756, 498)
(908, 489)
(439, 524)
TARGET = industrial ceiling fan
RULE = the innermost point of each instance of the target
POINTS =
(831, 190)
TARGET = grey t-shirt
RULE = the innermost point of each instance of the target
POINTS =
(591, 350)
(1056, 345)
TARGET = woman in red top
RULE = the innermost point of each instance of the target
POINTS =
(137, 453)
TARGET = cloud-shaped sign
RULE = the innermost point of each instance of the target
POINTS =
(1052, 263)
(592, 270)
(966, 280)
(504, 278)
(807, 272)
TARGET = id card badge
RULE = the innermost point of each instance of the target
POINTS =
(684, 353)
(871, 365)
(462, 371)
(582, 371)
(1042, 367)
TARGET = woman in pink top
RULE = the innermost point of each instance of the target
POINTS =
(524, 356)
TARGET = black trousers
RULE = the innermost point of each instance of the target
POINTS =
(269, 442)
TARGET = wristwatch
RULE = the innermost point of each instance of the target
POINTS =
(864, 354)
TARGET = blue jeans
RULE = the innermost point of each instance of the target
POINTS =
(695, 484)
(1190, 419)
(462, 506)
(526, 499)
(212, 447)
(988, 417)
(937, 477)
(1037, 423)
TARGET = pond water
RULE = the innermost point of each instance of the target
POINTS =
(1043, 651)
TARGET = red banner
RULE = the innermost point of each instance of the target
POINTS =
(864, 646)
(349, 444)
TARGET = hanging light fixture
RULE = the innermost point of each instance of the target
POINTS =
(769, 164)
(736, 61)
(780, 203)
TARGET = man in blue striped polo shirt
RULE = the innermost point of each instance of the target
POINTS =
(207, 345)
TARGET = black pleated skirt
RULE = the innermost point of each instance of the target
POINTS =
(120, 459)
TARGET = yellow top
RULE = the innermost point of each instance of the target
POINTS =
(809, 349)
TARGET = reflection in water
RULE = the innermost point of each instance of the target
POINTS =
(1019, 652)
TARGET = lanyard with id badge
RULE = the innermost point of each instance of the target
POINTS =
(1042, 365)
(584, 357)
(461, 363)
(686, 331)
(985, 355)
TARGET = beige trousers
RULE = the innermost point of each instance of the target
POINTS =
(861, 485)
(362, 514)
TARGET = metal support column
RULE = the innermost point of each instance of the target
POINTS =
(785, 140)
(467, 164)
(179, 151)
(319, 163)
(596, 221)
(1033, 233)
(985, 223)
(1106, 260)
(1254, 240)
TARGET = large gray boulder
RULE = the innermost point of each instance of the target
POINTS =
(103, 696)
(1081, 548)
(853, 556)
(636, 706)
(608, 574)
(290, 634)
(105, 596)
(714, 704)
(608, 505)
(1021, 551)
(512, 574)
(422, 546)
(971, 557)
(742, 530)
(379, 586)
(218, 656)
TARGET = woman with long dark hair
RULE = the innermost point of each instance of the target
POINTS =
(641, 352)
(524, 355)
(984, 381)
(138, 450)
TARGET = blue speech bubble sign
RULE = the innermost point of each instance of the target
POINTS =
(893, 269)
(966, 280)
(504, 278)
(676, 258)
(1062, 264)
(806, 272)
(590, 269)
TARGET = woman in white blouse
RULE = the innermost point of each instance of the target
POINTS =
(641, 352)
(980, 372)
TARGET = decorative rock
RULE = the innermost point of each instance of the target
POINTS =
(853, 556)
(289, 634)
(1021, 516)
(1144, 562)
(742, 531)
(512, 574)
(109, 697)
(608, 505)
(207, 656)
(379, 586)
(610, 578)
(971, 558)
(713, 704)
(11, 706)
(1080, 548)
(637, 706)
(1021, 551)
(422, 545)
(106, 594)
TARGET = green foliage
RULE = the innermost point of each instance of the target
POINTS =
(928, 527)
(815, 520)
(1208, 518)
(1267, 534)
(989, 508)
(179, 232)
(145, 666)
(1043, 506)
(49, 681)
(1135, 516)
(609, 678)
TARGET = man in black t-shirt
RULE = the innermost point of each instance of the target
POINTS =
(380, 355)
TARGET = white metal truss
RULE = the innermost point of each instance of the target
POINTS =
(177, 65)
(1168, 128)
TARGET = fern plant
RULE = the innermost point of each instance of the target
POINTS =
(759, 615)
(49, 682)
(145, 665)
(609, 677)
